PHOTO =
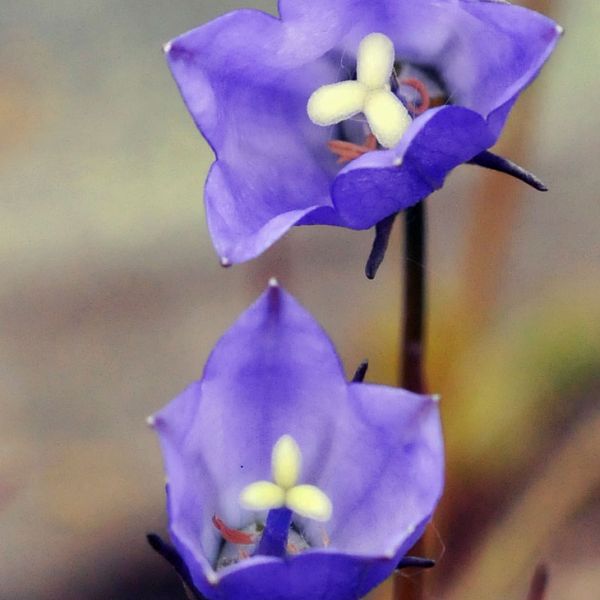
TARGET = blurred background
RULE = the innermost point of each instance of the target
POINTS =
(112, 297)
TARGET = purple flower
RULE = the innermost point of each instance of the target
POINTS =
(458, 67)
(351, 472)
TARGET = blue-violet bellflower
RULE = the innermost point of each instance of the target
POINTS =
(344, 112)
(286, 482)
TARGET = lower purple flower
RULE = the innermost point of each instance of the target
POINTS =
(284, 480)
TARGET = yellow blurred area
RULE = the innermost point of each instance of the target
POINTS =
(112, 298)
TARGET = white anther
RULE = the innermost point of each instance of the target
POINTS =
(305, 500)
(370, 94)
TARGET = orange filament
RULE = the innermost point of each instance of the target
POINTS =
(425, 98)
(325, 538)
(234, 536)
(347, 151)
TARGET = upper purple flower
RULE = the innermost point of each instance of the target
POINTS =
(247, 78)
(351, 471)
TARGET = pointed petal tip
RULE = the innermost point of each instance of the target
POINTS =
(273, 294)
(225, 262)
(151, 421)
(212, 577)
(167, 47)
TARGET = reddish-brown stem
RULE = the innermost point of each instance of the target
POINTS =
(411, 372)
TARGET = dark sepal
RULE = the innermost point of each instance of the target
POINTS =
(383, 229)
(416, 561)
(489, 160)
(172, 557)
(361, 371)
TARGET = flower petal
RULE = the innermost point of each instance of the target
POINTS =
(273, 373)
(378, 184)
(392, 475)
(309, 501)
(246, 82)
(498, 50)
(314, 575)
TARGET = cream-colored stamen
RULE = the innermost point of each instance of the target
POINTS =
(370, 94)
(305, 500)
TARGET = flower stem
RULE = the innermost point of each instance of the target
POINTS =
(411, 375)
(275, 534)
(410, 368)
